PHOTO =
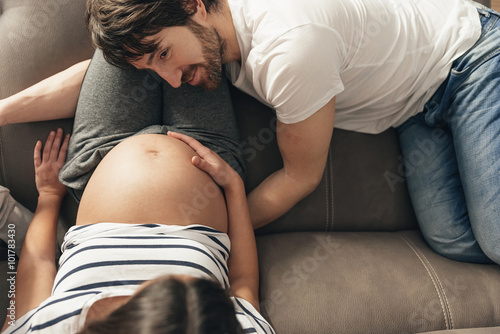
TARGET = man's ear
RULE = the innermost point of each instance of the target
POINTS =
(197, 10)
(196, 7)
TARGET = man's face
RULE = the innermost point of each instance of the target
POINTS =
(192, 54)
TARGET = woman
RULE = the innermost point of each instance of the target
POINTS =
(146, 255)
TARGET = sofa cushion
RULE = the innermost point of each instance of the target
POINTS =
(371, 282)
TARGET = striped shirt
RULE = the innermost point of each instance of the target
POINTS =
(108, 259)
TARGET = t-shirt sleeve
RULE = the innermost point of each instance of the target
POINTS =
(250, 319)
(299, 72)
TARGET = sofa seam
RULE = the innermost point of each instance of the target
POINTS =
(447, 315)
(329, 193)
(332, 203)
(327, 208)
(448, 308)
(2, 160)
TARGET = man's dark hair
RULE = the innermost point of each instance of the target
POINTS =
(119, 27)
(172, 306)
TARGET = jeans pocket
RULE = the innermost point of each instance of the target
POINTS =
(487, 47)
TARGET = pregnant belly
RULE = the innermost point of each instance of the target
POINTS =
(150, 179)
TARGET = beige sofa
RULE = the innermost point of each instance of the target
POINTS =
(347, 259)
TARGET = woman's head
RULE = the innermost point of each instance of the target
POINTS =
(172, 305)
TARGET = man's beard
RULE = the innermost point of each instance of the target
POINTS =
(213, 52)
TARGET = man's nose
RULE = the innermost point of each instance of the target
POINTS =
(172, 76)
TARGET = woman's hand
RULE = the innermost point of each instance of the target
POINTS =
(48, 165)
(209, 161)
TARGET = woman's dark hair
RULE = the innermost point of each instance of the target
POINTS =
(172, 306)
(119, 27)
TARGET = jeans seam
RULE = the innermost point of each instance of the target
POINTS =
(467, 72)
(484, 30)
(476, 63)
(441, 124)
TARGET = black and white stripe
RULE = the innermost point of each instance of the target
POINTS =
(108, 259)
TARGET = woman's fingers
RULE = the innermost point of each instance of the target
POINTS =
(56, 144)
(207, 161)
(61, 158)
(48, 146)
(55, 149)
(202, 164)
(193, 143)
(37, 155)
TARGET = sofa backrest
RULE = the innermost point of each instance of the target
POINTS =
(38, 38)
(363, 186)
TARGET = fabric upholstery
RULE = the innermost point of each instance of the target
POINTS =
(371, 282)
(349, 258)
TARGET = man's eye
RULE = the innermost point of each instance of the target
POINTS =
(163, 54)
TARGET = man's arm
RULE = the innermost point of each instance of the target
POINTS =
(52, 98)
(37, 269)
(304, 148)
(243, 263)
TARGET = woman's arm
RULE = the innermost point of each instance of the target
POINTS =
(37, 269)
(243, 263)
(52, 98)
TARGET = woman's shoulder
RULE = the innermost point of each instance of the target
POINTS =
(57, 314)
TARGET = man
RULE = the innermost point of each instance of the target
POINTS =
(192, 50)
(365, 64)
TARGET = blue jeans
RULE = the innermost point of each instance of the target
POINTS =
(452, 155)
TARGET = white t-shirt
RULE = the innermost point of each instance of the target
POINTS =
(381, 59)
